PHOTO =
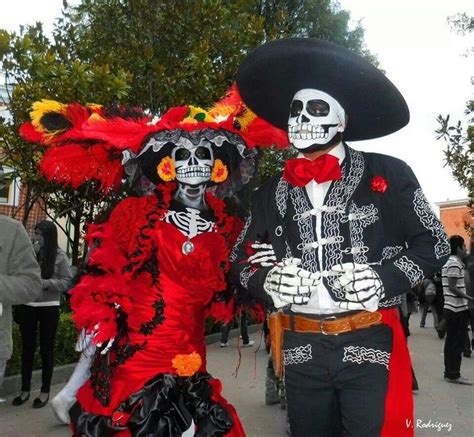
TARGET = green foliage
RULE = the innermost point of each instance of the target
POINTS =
(64, 351)
(273, 160)
(459, 152)
(149, 53)
(175, 52)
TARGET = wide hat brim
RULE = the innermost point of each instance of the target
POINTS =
(271, 74)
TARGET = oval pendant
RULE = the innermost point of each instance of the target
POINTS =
(187, 248)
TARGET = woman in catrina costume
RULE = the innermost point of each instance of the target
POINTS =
(158, 264)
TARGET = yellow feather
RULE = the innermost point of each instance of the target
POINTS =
(246, 118)
(42, 107)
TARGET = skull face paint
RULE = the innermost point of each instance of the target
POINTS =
(193, 164)
(316, 121)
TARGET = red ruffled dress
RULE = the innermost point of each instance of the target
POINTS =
(142, 290)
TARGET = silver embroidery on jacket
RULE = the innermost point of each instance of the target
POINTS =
(245, 276)
(388, 252)
(281, 196)
(359, 218)
(429, 221)
(411, 270)
(360, 354)
(240, 239)
(297, 355)
(340, 193)
(306, 229)
(388, 303)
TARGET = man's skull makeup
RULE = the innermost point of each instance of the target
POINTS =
(316, 121)
(193, 163)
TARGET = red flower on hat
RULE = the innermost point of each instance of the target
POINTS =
(379, 184)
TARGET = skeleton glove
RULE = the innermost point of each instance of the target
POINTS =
(264, 255)
(361, 284)
(286, 283)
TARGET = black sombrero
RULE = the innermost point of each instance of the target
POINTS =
(270, 75)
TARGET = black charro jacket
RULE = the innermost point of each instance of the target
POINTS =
(395, 231)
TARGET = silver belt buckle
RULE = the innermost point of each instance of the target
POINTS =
(321, 324)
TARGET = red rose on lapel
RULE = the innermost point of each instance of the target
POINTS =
(378, 184)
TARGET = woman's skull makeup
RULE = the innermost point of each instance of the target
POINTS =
(193, 163)
(315, 120)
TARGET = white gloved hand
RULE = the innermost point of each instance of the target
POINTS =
(287, 283)
(361, 284)
(264, 255)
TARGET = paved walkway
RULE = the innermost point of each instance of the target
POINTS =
(442, 409)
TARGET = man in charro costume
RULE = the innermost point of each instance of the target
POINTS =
(157, 265)
(346, 233)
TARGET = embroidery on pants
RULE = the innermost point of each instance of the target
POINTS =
(297, 355)
(360, 354)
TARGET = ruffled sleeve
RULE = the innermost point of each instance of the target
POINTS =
(104, 292)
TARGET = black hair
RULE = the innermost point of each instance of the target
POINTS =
(47, 256)
(456, 242)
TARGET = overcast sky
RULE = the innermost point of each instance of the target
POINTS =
(420, 55)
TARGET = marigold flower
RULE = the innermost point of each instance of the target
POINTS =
(219, 171)
(166, 170)
(187, 364)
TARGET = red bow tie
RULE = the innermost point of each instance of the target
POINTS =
(300, 171)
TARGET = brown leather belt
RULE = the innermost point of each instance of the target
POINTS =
(332, 325)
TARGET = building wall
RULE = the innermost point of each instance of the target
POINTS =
(18, 212)
(454, 219)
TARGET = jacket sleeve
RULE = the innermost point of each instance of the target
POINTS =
(22, 283)
(426, 244)
(243, 274)
(60, 282)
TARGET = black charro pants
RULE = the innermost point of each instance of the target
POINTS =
(47, 319)
(336, 385)
(456, 332)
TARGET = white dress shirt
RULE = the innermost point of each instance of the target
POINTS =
(321, 301)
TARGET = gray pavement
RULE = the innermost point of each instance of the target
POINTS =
(441, 409)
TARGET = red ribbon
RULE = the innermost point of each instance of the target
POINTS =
(301, 171)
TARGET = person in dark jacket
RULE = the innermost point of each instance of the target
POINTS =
(351, 232)
(43, 313)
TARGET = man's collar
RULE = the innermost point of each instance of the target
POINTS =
(339, 152)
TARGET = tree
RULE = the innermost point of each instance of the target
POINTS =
(36, 68)
(459, 152)
(149, 53)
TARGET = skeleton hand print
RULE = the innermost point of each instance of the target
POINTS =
(264, 255)
(287, 283)
(361, 284)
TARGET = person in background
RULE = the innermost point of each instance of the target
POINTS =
(19, 280)
(43, 312)
(439, 305)
(428, 301)
(244, 335)
(469, 281)
(455, 311)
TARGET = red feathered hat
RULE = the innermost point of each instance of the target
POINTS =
(87, 143)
